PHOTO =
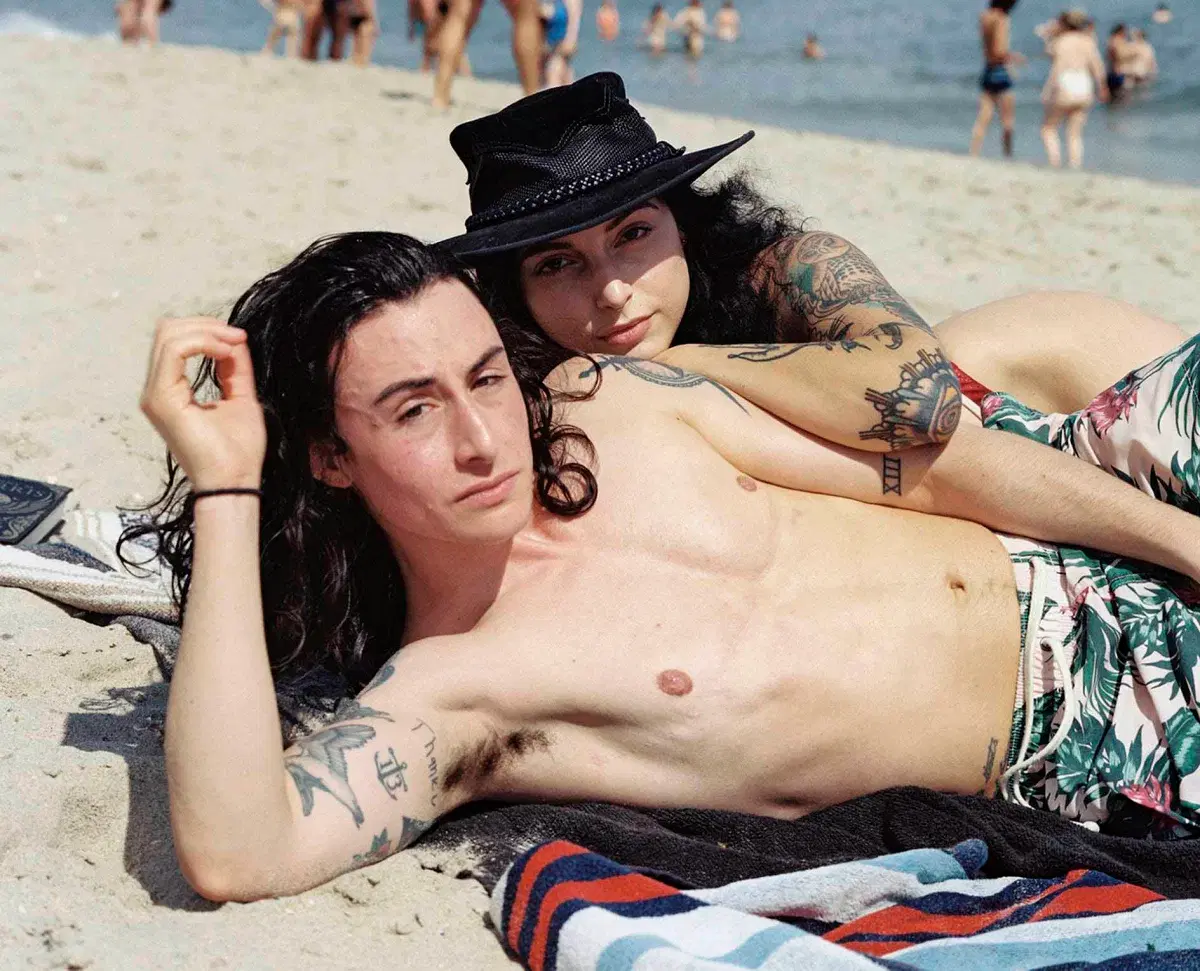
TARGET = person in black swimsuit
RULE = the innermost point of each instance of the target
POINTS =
(996, 82)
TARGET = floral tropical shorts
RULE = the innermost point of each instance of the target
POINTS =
(1107, 725)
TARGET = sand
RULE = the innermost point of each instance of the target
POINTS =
(136, 184)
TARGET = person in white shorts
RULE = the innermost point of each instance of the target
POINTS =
(1076, 80)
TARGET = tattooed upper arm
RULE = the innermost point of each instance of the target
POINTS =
(830, 290)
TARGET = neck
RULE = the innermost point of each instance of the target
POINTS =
(450, 587)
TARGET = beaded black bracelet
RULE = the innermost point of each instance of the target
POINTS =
(203, 493)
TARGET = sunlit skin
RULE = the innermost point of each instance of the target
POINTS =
(430, 414)
(586, 289)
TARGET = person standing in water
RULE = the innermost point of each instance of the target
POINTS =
(1076, 79)
(138, 19)
(1162, 14)
(1116, 54)
(1142, 63)
(608, 21)
(813, 51)
(996, 83)
(693, 24)
(655, 29)
(727, 24)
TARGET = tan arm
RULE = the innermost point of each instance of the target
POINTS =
(865, 370)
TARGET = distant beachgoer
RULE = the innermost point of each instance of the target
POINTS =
(558, 17)
(430, 35)
(655, 29)
(608, 21)
(1116, 55)
(138, 19)
(996, 82)
(693, 24)
(1143, 63)
(1076, 79)
(727, 24)
(286, 19)
(528, 40)
(356, 20)
(1162, 14)
(813, 51)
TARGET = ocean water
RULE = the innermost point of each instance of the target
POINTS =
(900, 71)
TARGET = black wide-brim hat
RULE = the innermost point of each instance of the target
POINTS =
(565, 160)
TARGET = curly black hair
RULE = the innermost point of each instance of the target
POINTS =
(331, 588)
(726, 230)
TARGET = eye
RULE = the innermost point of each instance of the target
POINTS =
(635, 232)
(412, 413)
(551, 265)
(487, 380)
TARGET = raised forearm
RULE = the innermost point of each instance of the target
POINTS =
(1017, 486)
(225, 769)
(882, 391)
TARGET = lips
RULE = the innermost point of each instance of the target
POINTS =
(627, 334)
(486, 488)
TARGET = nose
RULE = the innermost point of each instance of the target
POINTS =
(614, 292)
(475, 444)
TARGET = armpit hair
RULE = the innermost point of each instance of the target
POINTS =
(483, 760)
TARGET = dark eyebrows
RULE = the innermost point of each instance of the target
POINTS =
(414, 384)
(557, 244)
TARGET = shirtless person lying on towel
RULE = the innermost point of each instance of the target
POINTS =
(640, 589)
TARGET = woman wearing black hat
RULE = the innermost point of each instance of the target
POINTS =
(586, 227)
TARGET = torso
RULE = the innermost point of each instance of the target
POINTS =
(990, 23)
(701, 639)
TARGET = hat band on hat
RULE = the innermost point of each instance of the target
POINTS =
(569, 190)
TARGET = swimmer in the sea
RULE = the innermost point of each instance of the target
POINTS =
(727, 24)
(813, 51)
(655, 29)
(608, 21)
(692, 22)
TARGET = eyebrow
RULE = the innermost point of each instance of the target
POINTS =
(556, 244)
(414, 384)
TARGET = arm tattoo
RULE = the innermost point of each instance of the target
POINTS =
(829, 276)
(391, 772)
(766, 353)
(657, 372)
(382, 847)
(431, 764)
(384, 674)
(923, 408)
(989, 765)
(891, 475)
(352, 709)
(327, 749)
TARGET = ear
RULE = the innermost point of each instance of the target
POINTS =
(327, 466)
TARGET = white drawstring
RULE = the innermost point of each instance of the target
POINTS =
(1041, 577)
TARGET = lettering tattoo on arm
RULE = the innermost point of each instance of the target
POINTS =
(891, 475)
(428, 739)
(657, 372)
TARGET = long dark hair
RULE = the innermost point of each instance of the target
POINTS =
(331, 588)
(725, 230)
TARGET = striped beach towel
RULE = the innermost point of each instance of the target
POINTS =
(562, 908)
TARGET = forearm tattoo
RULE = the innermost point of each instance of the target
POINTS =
(657, 372)
(891, 475)
(924, 407)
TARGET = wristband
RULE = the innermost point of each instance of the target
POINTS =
(203, 493)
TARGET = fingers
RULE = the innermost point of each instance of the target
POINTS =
(235, 373)
(175, 342)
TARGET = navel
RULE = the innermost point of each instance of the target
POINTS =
(674, 682)
(747, 483)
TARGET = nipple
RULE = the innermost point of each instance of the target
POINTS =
(674, 682)
(747, 483)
